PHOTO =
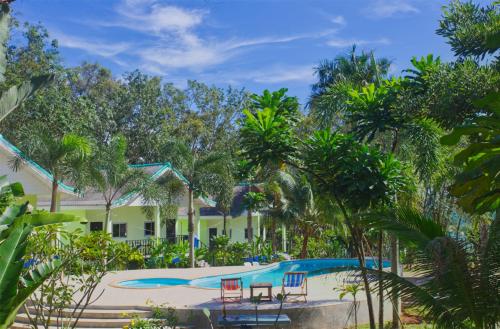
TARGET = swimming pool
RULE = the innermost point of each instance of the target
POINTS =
(273, 274)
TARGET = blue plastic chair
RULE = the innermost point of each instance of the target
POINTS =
(294, 285)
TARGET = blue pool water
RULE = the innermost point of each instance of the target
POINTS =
(273, 274)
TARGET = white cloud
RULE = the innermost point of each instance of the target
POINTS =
(340, 20)
(338, 42)
(303, 73)
(97, 47)
(149, 15)
(388, 8)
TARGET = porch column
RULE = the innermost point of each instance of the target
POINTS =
(258, 224)
(157, 222)
(283, 236)
(197, 226)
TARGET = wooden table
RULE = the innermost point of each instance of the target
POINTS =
(249, 320)
(262, 285)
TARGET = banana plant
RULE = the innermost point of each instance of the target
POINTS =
(14, 96)
(16, 224)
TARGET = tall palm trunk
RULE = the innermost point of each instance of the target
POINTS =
(273, 235)
(224, 216)
(395, 255)
(191, 227)
(249, 226)
(395, 269)
(107, 223)
(303, 252)
(53, 200)
(380, 287)
(364, 274)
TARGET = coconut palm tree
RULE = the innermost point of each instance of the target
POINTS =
(253, 201)
(108, 172)
(299, 205)
(336, 78)
(63, 156)
(460, 286)
(203, 172)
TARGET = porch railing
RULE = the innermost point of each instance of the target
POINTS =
(145, 246)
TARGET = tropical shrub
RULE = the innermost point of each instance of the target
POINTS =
(461, 289)
(224, 252)
(16, 225)
(84, 260)
(324, 245)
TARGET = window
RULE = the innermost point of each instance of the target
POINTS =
(149, 228)
(96, 226)
(120, 230)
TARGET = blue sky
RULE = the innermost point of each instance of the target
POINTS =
(254, 44)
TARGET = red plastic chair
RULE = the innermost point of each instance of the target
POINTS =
(231, 289)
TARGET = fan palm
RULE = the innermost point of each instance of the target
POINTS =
(62, 156)
(461, 286)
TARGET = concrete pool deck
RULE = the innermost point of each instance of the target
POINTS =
(323, 308)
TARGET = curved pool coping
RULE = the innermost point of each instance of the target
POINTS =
(116, 284)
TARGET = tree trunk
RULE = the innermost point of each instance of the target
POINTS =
(53, 200)
(249, 226)
(107, 223)
(364, 274)
(273, 235)
(303, 252)
(224, 216)
(395, 270)
(191, 227)
(380, 287)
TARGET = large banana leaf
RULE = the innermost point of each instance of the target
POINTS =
(16, 95)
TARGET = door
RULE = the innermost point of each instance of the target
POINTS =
(212, 232)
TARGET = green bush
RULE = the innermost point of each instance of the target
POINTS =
(325, 245)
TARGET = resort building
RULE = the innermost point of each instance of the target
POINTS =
(129, 220)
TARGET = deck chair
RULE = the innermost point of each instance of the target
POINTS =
(294, 285)
(231, 289)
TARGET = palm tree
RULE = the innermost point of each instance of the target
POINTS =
(461, 286)
(300, 206)
(202, 170)
(62, 156)
(109, 173)
(253, 201)
(336, 78)
(163, 192)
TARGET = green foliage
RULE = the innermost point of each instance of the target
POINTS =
(336, 78)
(324, 244)
(470, 28)
(348, 170)
(16, 225)
(223, 252)
(163, 317)
(478, 185)
(14, 95)
(461, 290)
(164, 253)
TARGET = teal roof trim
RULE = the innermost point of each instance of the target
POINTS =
(35, 165)
(164, 168)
